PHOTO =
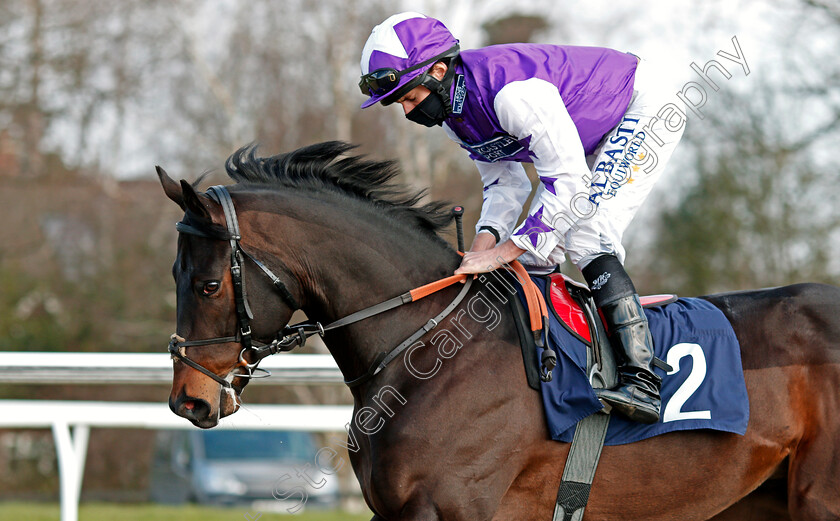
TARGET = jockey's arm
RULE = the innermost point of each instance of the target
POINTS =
(505, 189)
(533, 108)
(484, 240)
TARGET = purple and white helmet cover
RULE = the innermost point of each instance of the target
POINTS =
(402, 41)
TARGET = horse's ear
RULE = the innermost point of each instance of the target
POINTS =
(195, 203)
(171, 188)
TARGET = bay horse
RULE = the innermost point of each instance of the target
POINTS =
(338, 234)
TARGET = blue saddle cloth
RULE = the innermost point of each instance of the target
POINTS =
(706, 390)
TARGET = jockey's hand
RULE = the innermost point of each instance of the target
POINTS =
(489, 260)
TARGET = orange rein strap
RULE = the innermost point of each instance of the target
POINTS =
(538, 313)
(428, 289)
(536, 306)
(537, 310)
(432, 287)
(383, 359)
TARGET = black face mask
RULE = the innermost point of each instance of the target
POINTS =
(429, 112)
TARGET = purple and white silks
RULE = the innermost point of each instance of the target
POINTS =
(546, 104)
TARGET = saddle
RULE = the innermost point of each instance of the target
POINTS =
(571, 303)
(569, 310)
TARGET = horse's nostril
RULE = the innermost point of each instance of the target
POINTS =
(189, 405)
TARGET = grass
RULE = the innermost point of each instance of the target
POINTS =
(18, 511)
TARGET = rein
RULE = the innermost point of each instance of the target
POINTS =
(292, 336)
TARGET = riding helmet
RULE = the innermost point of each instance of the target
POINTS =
(398, 54)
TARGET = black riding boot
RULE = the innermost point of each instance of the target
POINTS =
(637, 393)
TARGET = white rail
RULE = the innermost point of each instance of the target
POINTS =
(30, 414)
(71, 421)
(147, 368)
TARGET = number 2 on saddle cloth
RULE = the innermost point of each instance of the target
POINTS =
(698, 358)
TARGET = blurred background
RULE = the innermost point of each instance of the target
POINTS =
(94, 94)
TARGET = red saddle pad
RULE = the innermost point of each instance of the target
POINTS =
(572, 316)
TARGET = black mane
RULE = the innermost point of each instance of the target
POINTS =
(318, 167)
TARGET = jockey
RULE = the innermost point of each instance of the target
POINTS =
(586, 118)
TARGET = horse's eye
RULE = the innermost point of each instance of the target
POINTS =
(210, 287)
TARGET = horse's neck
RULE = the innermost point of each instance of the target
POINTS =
(356, 263)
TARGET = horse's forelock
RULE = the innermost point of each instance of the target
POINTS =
(211, 229)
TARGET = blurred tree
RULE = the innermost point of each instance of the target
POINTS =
(66, 78)
(516, 28)
(757, 215)
(762, 208)
(829, 7)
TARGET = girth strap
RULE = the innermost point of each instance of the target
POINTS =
(581, 464)
(590, 433)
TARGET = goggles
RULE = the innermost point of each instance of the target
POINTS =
(380, 81)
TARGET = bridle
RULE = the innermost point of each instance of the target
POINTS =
(292, 336)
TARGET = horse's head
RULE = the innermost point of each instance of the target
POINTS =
(212, 350)
(320, 231)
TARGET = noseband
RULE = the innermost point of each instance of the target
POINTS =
(292, 336)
